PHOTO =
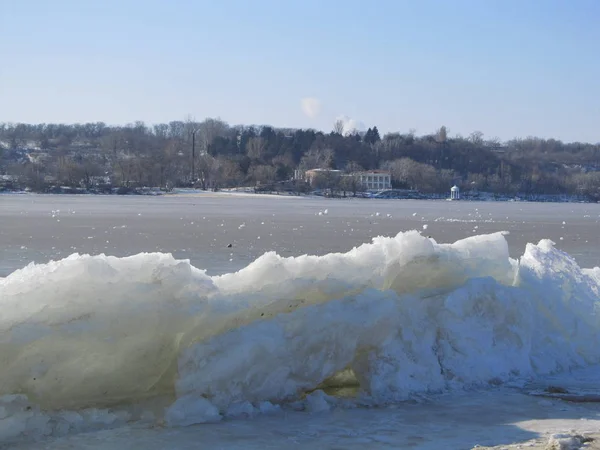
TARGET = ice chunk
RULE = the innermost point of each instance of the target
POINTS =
(403, 315)
(241, 409)
(317, 401)
(190, 410)
(565, 442)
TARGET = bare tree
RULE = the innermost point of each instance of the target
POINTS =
(255, 148)
(230, 172)
(338, 127)
(493, 142)
(33, 177)
(162, 163)
(443, 180)
(327, 180)
(414, 175)
(124, 167)
(317, 159)
(207, 171)
(67, 171)
(89, 170)
(353, 167)
(208, 131)
(351, 183)
(401, 170)
(263, 174)
(476, 137)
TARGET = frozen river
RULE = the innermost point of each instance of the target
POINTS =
(201, 227)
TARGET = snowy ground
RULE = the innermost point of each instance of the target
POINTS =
(499, 419)
(247, 193)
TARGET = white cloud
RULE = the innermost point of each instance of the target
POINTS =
(311, 106)
(351, 125)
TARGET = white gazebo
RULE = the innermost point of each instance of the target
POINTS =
(454, 193)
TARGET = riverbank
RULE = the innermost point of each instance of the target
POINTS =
(252, 192)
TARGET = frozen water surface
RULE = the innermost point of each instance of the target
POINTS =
(289, 226)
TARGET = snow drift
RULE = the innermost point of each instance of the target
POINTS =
(399, 317)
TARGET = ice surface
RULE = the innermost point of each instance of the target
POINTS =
(400, 317)
(565, 442)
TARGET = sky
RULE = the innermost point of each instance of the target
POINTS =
(507, 68)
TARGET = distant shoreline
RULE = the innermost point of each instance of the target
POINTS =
(152, 192)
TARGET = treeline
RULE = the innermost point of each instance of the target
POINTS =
(212, 155)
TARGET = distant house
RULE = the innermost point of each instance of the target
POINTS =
(375, 180)
(371, 180)
(312, 174)
(299, 175)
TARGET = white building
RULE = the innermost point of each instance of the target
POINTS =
(454, 193)
(375, 180)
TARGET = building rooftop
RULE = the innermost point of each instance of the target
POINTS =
(323, 170)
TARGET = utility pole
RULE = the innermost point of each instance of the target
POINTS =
(193, 156)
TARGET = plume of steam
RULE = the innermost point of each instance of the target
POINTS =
(311, 106)
(346, 125)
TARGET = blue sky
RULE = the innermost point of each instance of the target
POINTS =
(505, 67)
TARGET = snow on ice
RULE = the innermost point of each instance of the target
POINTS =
(399, 317)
